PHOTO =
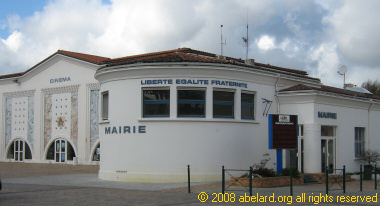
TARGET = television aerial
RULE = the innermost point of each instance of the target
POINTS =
(342, 71)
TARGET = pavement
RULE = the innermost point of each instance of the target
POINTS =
(62, 184)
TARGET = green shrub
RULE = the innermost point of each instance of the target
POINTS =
(286, 172)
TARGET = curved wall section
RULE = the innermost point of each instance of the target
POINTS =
(162, 119)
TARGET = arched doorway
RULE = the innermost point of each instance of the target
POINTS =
(19, 150)
(96, 153)
(60, 150)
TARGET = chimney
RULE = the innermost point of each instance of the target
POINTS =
(349, 85)
(250, 62)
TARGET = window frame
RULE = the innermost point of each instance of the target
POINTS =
(105, 111)
(192, 101)
(245, 104)
(224, 103)
(359, 141)
(157, 102)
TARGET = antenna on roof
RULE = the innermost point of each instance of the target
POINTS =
(245, 39)
(221, 40)
(342, 71)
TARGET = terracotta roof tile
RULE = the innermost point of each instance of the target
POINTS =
(190, 55)
(85, 57)
(329, 89)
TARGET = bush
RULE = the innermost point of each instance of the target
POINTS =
(286, 172)
(265, 172)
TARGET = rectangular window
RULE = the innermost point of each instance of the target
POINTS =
(105, 99)
(191, 103)
(359, 142)
(223, 104)
(247, 106)
(156, 103)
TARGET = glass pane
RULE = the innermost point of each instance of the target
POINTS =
(105, 106)
(191, 94)
(63, 156)
(63, 146)
(226, 111)
(16, 146)
(247, 98)
(70, 152)
(50, 153)
(331, 154)
(156, 109)
(16, 156)
(324, 155)
(223, 96)
(191, 103)
(21, 145)
(247, 112)
(57, 146)
(191, 109)
(57, 157)
(327, 131)
(11, 151)
(156, 94)
(28, 153)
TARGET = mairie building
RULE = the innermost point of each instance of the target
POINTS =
(144, 118)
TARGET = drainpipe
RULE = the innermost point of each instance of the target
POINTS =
(369, 123)
(276, 92)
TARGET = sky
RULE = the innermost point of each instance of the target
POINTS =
(318, 36)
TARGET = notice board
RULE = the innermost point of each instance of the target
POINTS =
(283, 131)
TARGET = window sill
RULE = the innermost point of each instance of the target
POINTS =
(183, 119)
(104, 122)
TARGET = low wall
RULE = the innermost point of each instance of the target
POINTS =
(266, 182)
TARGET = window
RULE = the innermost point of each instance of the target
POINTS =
(223, 104)
(59, 152)
(19, 150)
(105, 100)
(156, 103)
(191, 103)
(359, 141)
(247, 106)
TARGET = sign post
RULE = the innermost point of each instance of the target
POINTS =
(282, 135)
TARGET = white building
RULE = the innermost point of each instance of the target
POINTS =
(160, 112)
(49, 113)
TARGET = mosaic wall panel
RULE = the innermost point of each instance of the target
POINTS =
(94, 117)
(74, 117)
(31, 121)
(47, 119)
(61, 120)
(8, 120)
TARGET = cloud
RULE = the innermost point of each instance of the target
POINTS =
(355, 28)
(14, 41)
(318, 36)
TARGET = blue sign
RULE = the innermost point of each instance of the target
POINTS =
(327, 115)
(58, 80)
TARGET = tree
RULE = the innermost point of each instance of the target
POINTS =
(371, 156)
(372, 86)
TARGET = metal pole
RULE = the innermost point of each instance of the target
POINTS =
(327, 180)
(291, 181)
(250, 181)
(188, 178)
(375, 177)
(361, 178)
(344, 178)
(223, 183)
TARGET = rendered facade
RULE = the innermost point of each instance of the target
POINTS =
(151, 115)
